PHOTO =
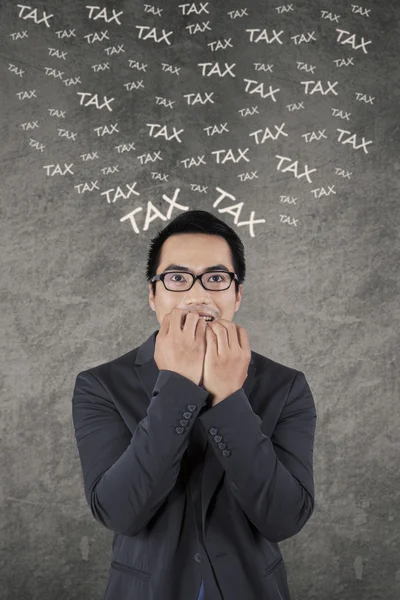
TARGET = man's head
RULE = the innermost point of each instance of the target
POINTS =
(197, 240)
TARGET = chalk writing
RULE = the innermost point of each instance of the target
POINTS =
(365, 98)
(329, 16)
(57, 53)
(344, 62)
(121, 148)
(102, 14)
(29, 125)
(293, 107)
(63, 33)
(196, 98)
(36, 144)
(305, 67)
(170, 69)
(259, 89)
(293, 168)
(220, 44)
(26, 95)
(163, 132)
(341, 114)
(263, 67)
(135, 64)
(289, 220)
(193, 8)
(364, 12)
(58, 170)
(215, 129)
(87, 187)
(134, 85)
(110, 50)
(54, 73)
(267, 134)
(152, 34)
(202, 189)
(264, 36)
(89, 156)
(312, 136)
(352, 139)
(215, 69)
(193, 162)
(351, 39)
(248, 176)
(119, 193)
(318, 192)
(68, 134)
(19, 35)
(148, 157)
(60, 114)
(33, 14)
(284, 8)
(95, 100)
(159, 176)
(198, 27)
(237, 14)
(319, 88)
(288, 200)
(97, 37)
(165, 102)
(101, 67)
(343, 173)
(15, 70)
(103, 130)
(229, 155)
(149, 8)
(110, 170)
(304, 38)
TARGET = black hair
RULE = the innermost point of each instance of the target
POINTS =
(197, 221)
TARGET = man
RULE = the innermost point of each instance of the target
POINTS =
(196, 451)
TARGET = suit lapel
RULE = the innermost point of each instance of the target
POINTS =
(147, 372)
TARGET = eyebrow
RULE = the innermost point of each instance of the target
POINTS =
(174, 267)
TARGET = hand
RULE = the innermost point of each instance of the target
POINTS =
(181, 349)
(226, 360)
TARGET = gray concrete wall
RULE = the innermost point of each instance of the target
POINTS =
(84, 100)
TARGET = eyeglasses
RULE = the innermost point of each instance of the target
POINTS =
(178, 281)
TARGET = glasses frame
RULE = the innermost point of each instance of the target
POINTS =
(160, 277)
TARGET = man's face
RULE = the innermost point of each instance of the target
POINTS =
(197, 252)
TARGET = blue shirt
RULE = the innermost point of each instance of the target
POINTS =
(201, 594)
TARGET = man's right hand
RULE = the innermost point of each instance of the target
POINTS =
(182, 349)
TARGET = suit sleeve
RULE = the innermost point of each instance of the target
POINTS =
(271, 477)
(128, 477)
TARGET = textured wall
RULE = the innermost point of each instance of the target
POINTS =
(112, 123)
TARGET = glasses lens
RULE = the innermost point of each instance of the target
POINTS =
(179, 282)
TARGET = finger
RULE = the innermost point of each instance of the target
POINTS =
(177, 317)
(221, 333)
(243, 339)
(165, 324)
(191, 322)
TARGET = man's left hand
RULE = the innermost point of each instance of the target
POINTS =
(226, 360)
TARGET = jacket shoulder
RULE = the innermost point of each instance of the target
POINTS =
(101, 370)
(265, 363)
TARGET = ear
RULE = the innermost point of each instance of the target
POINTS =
(151, 297)
(238, 296)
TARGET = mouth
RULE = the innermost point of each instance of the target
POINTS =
(205, 316)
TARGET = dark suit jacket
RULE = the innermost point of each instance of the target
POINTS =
(157, 460)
